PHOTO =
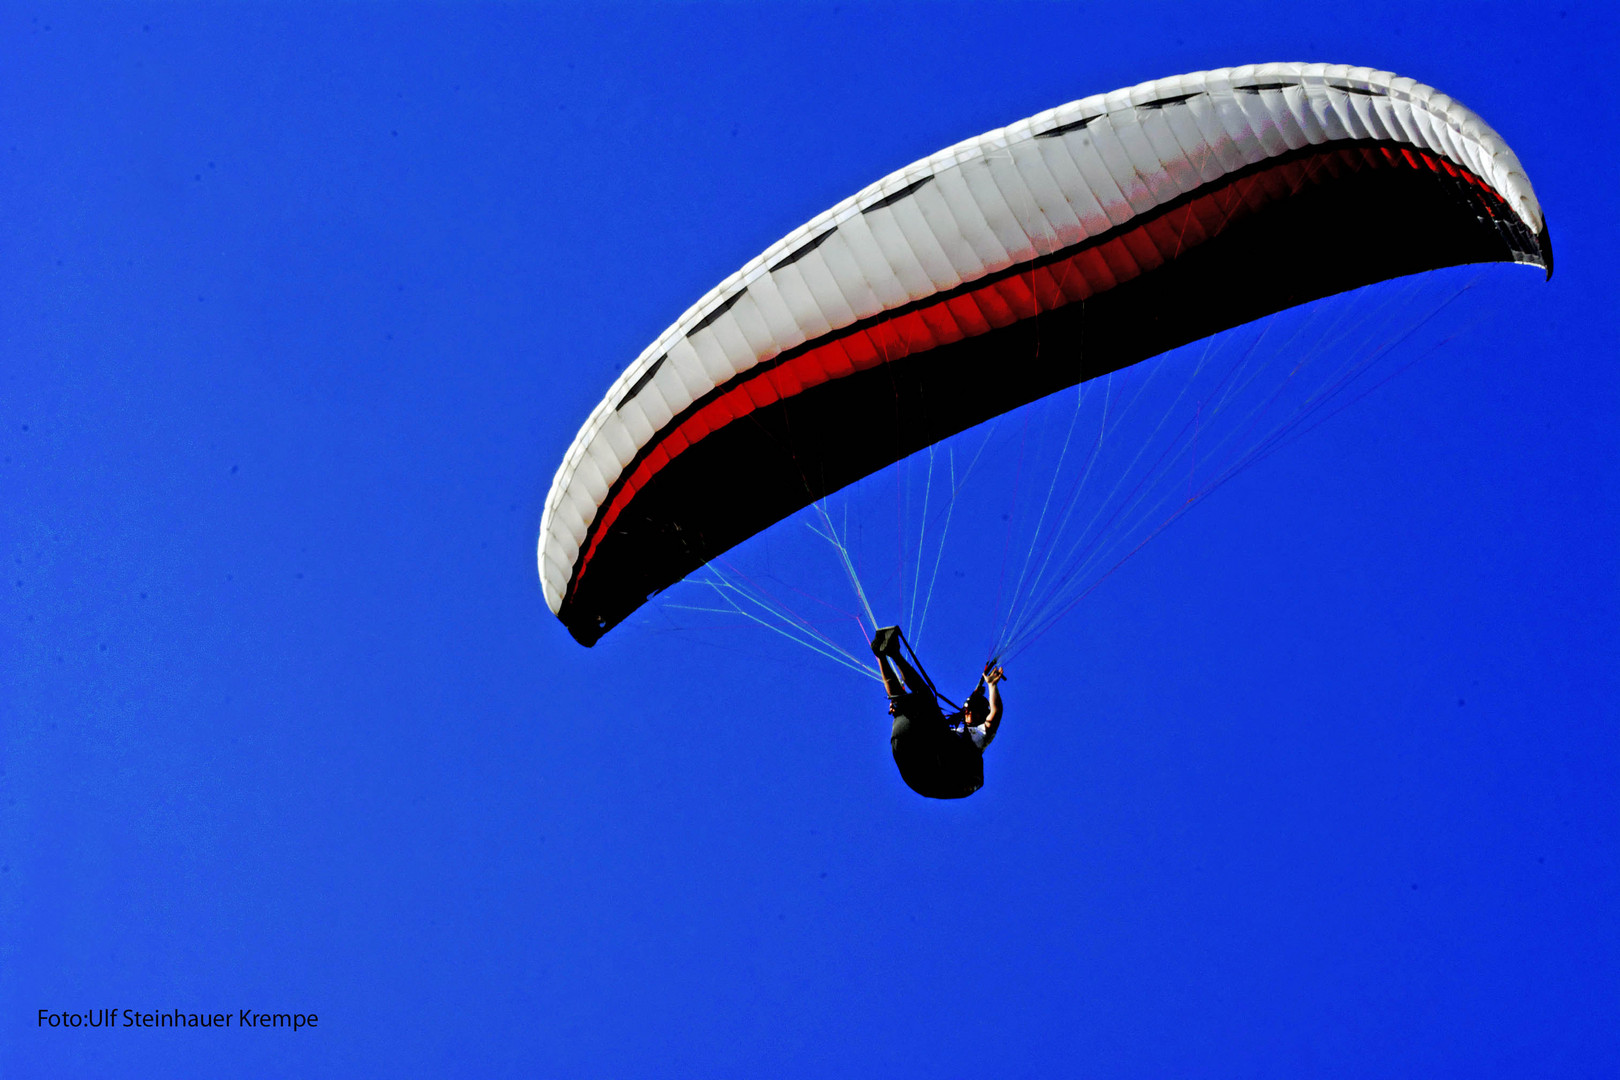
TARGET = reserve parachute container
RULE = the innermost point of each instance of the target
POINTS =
(1005, 268)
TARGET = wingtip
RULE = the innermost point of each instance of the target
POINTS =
(585, 631)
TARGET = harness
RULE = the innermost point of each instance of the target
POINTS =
(917, 666)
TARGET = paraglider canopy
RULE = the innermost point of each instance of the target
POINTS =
(1050, 252)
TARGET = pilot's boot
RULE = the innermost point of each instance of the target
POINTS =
(886, 642)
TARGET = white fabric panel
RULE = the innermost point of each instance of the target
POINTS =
(749, 319)
(1310, 114)
(832, 307)
(836, 259)
(1047, 219)
(709, 362)
(968, 205)
(734, 346)
(830, 300)
(1111, 143)
(1230, 133)
(1194, 130)
(1087, 153)
(1250, 122)
(1181, 144)
(1264, 110)
(1223, 125)
(897, 252)
(1376, 114)
(571, 530)
(996, 199)
(1085, 202)
(595, 485)
(801, 301)
(1483, 160)
(925, 221)
(602, 458)
(619, 441)
(1342, 118)
(1439, 135)
(1007, 204)
(1159, 158)
(773, 307)
(654, 402)
(637, 424)
(880, 274)
(1287, 120)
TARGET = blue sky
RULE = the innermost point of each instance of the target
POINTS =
(304, 303)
